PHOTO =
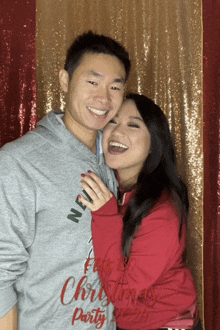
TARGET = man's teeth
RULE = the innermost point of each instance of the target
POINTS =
(97, 112)
(117, 144)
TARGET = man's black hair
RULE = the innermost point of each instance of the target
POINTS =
(90, 42)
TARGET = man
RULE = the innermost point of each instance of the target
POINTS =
(47, 266)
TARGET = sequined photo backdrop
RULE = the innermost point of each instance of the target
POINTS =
(18, 112)
(164, 39)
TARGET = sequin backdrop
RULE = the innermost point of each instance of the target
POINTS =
(164, 39)
(18, 111)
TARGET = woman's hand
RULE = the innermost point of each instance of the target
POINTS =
(96, 190)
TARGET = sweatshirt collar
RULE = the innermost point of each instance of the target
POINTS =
(57, 134)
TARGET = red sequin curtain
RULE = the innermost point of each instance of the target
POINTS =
(18, 112)
(211, 135)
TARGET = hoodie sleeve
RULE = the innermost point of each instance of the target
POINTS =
(17, 226)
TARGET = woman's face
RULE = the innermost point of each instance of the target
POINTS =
(126, 140)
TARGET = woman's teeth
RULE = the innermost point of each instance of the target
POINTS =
(113, 144)
(97, 112)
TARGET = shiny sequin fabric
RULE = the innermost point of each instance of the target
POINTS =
(18, 111)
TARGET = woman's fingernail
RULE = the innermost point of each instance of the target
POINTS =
(89, 171)
(83, 175)
(79, 196)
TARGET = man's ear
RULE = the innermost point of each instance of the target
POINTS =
(64, 80)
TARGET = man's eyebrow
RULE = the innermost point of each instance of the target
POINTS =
(96, 74)
(120, 80)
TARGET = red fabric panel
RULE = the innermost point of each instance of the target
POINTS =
(212, 163)
(18, 111)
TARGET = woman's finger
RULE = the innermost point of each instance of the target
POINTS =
(97, 201)
(89, 190)
(98, 181)
(93, 184)
(85, 201)
(96, 190)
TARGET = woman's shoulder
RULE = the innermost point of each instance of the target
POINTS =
(165, 203)
(164, 213)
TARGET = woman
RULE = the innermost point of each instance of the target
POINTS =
(139, 243)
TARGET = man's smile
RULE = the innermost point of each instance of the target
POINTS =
(98, 112)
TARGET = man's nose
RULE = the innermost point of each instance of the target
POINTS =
(104, 95)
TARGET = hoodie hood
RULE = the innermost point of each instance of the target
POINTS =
(53, 130)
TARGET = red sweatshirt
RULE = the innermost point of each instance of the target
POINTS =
(155, 288)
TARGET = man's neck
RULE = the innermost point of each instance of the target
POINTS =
(84, 135)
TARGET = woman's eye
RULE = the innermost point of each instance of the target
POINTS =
(134, 125)
(112, 121)
(115, 88)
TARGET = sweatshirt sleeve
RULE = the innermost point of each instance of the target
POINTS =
(152, 251)
(17, 226)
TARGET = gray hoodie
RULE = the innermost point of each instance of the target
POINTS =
(45, 232)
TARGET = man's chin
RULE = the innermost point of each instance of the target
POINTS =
(98, 126)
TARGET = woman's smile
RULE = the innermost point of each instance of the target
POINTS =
(126, 141)
(115, 148)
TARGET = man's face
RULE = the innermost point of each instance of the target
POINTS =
(95, 91)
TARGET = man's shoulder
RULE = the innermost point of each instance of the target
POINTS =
(29, 142)
(23, 145)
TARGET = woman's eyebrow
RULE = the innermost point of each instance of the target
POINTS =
(131, 117)
(139, 118)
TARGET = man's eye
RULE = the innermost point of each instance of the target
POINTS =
(92, 82)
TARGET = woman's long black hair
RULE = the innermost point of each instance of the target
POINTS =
(159, 172)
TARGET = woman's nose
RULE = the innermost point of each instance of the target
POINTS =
(119, 130)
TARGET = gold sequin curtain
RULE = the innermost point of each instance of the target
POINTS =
(164, 39)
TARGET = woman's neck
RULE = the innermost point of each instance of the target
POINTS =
(127, 180)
